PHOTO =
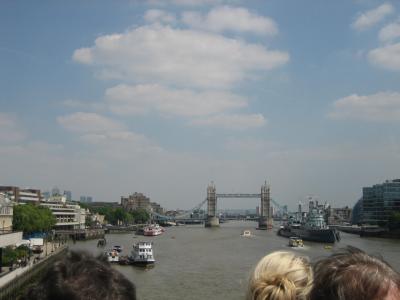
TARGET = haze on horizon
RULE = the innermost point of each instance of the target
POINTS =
(108, 98)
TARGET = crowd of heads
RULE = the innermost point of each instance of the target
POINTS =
(349, 274)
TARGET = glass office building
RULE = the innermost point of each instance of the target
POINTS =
(379, 201)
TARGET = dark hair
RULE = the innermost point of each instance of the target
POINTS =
(79, 275)
(353, 274)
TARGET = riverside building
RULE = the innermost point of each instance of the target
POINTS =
(19, 195)
(380, 201)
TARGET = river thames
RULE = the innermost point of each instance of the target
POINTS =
(193, 262)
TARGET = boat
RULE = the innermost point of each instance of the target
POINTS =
(153, 230)
(112, 256)
(117, 248)
(313, 229)
(295, 241)
(142, 254)
(246, 233)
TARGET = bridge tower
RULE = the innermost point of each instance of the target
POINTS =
(212, 219)
(265, 221)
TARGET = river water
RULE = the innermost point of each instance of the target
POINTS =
(193, 262)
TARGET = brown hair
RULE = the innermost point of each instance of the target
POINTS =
(280, 276)
(353, 274)
(79, 276)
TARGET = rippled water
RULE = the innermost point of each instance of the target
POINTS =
(193, 262)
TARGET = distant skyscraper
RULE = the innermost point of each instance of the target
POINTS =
(68, 195)
(55, 191)
(89, 199)
(82, 199)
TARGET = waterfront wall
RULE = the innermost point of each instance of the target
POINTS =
(17, 285)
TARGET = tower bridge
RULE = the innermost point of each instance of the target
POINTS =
(212, 220)
(265, 219)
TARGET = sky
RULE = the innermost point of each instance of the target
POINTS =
(107, 98)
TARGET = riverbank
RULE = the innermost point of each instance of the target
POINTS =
(14, 282)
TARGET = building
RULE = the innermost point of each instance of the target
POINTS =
(68, 216)
(6, 214)
(135, 201)
(339, 216)
(380, 201)
(155, 207)
(55, 191)
(68, 195)
(86, 199)
(16, 194)
(357, 213)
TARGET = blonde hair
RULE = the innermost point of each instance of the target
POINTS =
(281, 276)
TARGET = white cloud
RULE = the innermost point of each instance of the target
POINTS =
(126, 100)
(235, 19)
(159, 16)
(382, 106)
(88, 123)
(110, 138)
(369, 18)
(189, 2)
(178, 57)
(387, 57)
(10, 131)
(234, 121)
(390, 32)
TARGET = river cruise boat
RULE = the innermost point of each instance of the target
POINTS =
(142, 254)
(295, 241)
(112, 256)
(153, 230)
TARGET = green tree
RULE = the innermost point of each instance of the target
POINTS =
(394, 220)
(31, 218)
(140, 215)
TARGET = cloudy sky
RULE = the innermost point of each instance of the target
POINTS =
(107, 98)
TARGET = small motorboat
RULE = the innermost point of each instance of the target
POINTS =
(246, 233)
(117, 248)
(112, 256)
(295, 241)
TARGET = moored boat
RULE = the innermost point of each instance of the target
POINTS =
(112, 256)
(117, 248)
(153, 230)
(313, 229)
(142, 254)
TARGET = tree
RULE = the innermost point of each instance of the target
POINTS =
(394, 220)
(140, 215)
(31, 218)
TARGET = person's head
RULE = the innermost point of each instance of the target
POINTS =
(353, 274)
(79, 275)
(280, 276)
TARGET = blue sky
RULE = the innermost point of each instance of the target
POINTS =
(107, 98)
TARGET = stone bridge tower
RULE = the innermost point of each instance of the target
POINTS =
(265, 221)
(212, 218)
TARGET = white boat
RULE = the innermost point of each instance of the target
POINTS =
(246, 233)
(112, 256)
(142, 254)
(117, 248)
(153, 230)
